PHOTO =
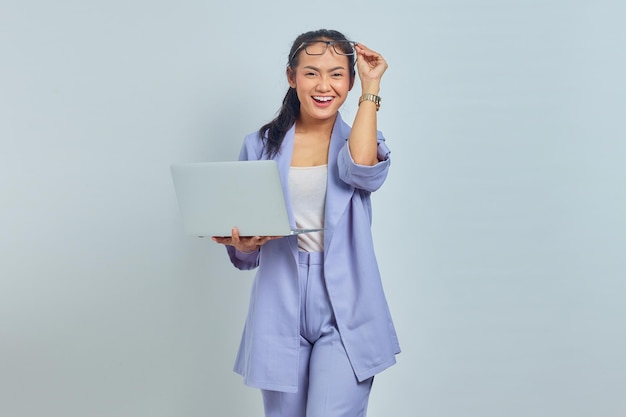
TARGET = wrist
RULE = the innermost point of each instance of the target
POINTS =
(373, 98)
(370, 88)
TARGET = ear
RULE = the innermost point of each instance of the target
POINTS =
(291, 77)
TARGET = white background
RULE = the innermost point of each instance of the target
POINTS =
(500, 231)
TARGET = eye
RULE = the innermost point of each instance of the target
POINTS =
(338, 75)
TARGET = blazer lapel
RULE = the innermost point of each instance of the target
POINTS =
(338, 193)
(283, 160)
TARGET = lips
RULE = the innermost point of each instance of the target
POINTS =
(323, 100)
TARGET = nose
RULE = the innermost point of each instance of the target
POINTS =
(323, 85)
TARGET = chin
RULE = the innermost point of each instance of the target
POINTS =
(324, 113)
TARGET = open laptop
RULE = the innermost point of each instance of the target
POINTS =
(214, 197)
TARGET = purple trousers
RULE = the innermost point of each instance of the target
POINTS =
(327, 386)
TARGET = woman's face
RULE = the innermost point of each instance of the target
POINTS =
(322, 83)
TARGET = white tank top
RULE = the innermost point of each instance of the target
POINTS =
(307, 188)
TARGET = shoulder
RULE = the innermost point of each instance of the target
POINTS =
(254, 138)
(252, 146)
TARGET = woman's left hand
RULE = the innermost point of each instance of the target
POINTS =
(371, 66)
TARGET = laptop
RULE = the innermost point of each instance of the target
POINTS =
(214, 197)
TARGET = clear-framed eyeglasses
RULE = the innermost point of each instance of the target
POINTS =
(320, 47)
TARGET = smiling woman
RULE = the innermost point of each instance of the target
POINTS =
(319, 327)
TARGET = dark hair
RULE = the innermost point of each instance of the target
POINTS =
(274, 132)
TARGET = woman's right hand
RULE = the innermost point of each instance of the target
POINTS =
(243, 243)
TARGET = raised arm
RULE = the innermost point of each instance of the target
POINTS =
(363, 145)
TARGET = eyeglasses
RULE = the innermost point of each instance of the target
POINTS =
(319, 48)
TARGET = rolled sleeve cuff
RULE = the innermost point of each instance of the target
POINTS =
(243, 260)
(246, 256)
(365, 177)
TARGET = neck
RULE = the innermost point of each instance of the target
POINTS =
(306, 124)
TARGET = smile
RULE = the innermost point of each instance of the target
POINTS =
(323, 99)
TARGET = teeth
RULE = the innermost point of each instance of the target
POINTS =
(323, 98)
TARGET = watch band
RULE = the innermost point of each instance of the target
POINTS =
(370, 97)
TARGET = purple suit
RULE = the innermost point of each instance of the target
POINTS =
(268, 354)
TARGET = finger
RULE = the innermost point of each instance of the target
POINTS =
(360, 47)
(372, 58)
(363, 50)
(222, 240)
(263, 240)
(368, 61)
(235, 235)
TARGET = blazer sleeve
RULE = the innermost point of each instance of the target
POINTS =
(365, 177)
(241, 260)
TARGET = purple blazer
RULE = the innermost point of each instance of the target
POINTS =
(268, 353)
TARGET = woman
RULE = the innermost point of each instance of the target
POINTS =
(319, 328)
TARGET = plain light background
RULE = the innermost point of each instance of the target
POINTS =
(500, 231)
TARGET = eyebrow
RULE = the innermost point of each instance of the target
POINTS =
(330, 70)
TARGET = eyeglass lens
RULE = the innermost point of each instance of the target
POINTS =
(319, 47)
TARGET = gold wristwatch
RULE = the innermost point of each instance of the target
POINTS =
(370, 97)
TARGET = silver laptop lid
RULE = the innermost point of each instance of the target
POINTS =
(213, 197)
